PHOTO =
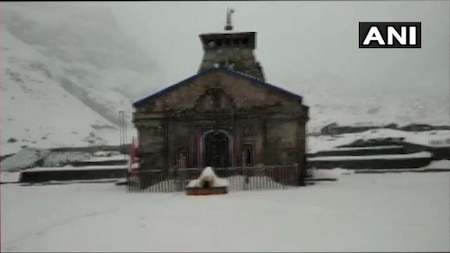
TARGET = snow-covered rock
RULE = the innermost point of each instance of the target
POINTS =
(58, 159)
(26, 158)
(210, 177)
(423, 154)
(320, 143)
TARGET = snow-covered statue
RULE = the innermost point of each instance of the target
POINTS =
(208, 183)
(207, 178)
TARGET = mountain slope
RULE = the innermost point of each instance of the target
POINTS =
(36, 111)
(332, 98)
(67, 69)
(66, 73)
(95, 61)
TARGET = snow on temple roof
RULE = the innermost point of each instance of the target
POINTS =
(145, 98)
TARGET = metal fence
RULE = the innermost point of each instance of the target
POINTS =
(239, 178)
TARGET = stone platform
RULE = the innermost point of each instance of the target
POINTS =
(63, 174)
(206, 191)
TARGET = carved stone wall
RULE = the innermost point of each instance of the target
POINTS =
(272, 124)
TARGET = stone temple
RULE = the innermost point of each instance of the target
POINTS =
(225, 115)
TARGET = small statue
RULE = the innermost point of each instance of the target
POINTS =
(229, 26)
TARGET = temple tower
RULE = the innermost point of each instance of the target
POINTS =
(231, 49)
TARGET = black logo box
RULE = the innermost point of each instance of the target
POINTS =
(364, 28)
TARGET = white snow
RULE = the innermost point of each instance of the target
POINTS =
(90, 181)
(363, 148)
(405, 212)
(440, 142)
(29, 157)
(233, 183)
(256, 182)
(106, 158)
(371, 105)
(106, 153)
(57, 159)
(337, 172)
(423, 154)
(39, 112)
(162, 184)
(330, 174)
(208, 175)
(64, 89)
(122, 180)
(218, 182)
(10, 177)
(319, 143)
(441, 164)
(24, 159)
(99, 167)
(221, 182)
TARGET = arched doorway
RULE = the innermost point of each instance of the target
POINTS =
(216, 150)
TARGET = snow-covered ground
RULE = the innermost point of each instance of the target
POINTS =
(442, 165)
(371, 157)
(395, 212)
(29, 158)
(319, 143)
(105, 167)
(365, 148)
(335, 173)
(9, 177)
(107, 158)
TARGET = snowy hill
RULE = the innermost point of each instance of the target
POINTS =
(36, 110)
(333, 98)
(67, 69)
(426, 138)
(64, 82)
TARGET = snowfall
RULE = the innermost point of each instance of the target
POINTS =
(359, 212)
(406, 211)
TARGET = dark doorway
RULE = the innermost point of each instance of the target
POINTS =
(247, 155)
(216, 150)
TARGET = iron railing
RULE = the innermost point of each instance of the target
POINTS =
(239, 178)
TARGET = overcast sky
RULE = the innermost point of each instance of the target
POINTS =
(298, 41)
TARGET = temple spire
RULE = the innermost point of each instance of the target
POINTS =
(230, 49)
(229, 26)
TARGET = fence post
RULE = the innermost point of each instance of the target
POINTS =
(128, 181)
(244, 171)
(301, 168)
(180, 176)
(297, 174)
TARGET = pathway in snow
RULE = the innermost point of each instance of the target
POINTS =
(395, 212)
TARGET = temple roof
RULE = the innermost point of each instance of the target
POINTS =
(224, 70)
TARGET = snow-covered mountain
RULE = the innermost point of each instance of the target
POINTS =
(333, 98)
(37, 110)
(65, 76)
(68, 69)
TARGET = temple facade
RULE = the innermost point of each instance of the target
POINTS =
(224, 115)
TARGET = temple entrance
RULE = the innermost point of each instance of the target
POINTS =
(216, 150)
